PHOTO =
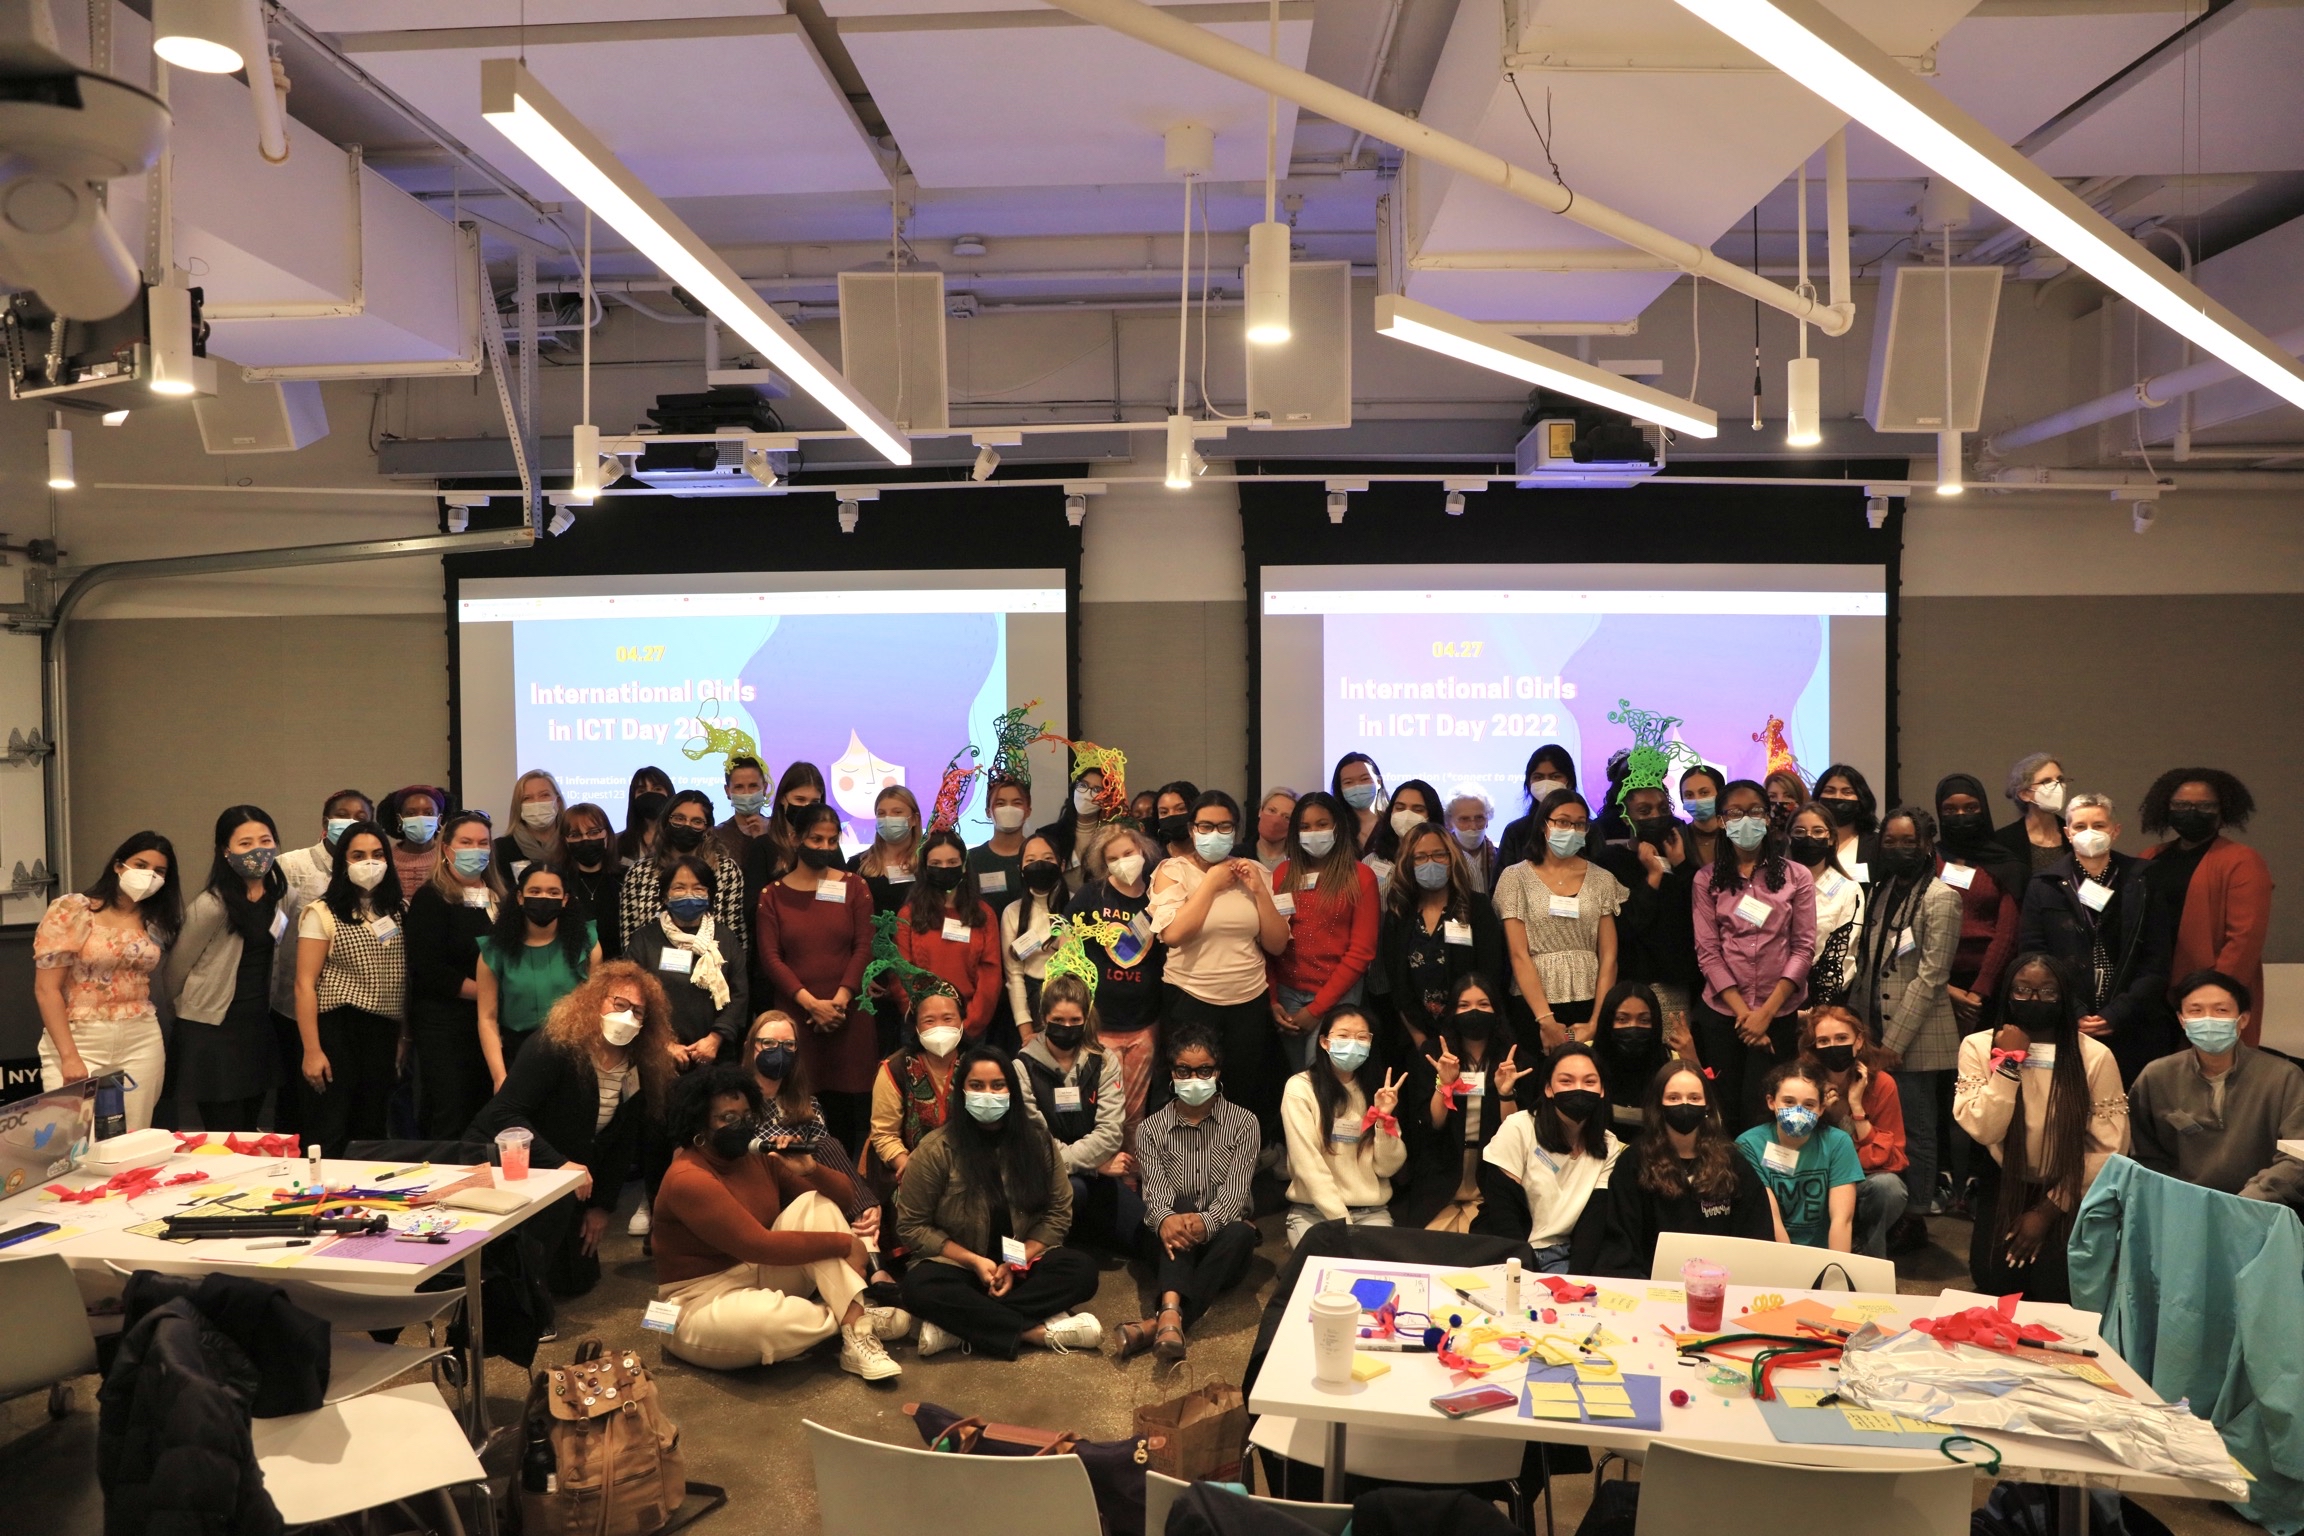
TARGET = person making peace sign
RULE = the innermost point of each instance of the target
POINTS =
(1341, 1118)
(1460, 1088)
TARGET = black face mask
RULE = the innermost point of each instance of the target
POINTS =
(1963, 826)
(650, 805)
(1475, 1023)
(2036, 1016)
(1686, 1117)
(588, 851)
(1042, 875)
(1808, 851)
(793, 813)
(1901, 863)
(774, 1062)
(1655, 831)
(819, 858)
(1633, 1039)
(1845, 812)
(1836, 1058)
(1579, 1104)
(682, 838)
(943, 877)
(2192, 823)
(1171, 830)
(730, 1142)
(1067, 1037)
(542, 909)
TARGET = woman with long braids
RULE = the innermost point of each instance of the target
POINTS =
(1902, 990)
(1755, 944)
(2074, 1116)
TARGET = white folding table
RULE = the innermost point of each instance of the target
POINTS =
(1400, 1399)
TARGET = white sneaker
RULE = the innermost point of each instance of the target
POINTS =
(639, 1225)
(935, 1340)
(861, 1354)
(1068, 1331)
(889, 1322)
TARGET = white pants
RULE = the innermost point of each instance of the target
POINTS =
(132, 1046)
(758, 1314)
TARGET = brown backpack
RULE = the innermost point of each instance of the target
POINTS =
(618, 1469)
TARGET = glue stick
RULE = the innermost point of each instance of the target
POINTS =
(1512, 1287)
(312, 1163)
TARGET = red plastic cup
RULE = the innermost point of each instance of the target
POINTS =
(1706, 1284)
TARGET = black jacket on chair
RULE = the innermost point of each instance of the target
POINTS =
(2142, 949)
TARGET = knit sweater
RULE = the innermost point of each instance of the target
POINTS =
(1984, 1103)
(816, 946)
(2221, 1132)
(1350, 1174)
(1329, 942)
(711, 1215)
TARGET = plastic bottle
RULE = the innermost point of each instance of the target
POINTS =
(1511, 1287)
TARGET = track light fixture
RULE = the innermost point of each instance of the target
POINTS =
(212, 37)
(1875, 511)
(760, 466)
(1075, 509)
(60, 456)
(850, 515)
(1339, 502)
(2145, 512)
(563, 519)
(1455, 504)
(987, 460)
(1948, 481)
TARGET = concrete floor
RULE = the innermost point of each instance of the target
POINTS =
(742, 1430)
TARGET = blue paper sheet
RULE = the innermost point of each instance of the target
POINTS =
(1646, 1393)
(1826, 1426)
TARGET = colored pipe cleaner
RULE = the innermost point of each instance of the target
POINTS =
(886, 958)
(1654, 753)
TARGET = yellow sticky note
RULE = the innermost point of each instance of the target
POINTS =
(1606, 1340)
(1915, 1426)
(1867, 1310)
(1667, 1293)
(1597, 1370)
(1547, 1408)
(1464, 1282)
(1600, 1394)
(1865, 1419)
(1609, 1411)
(1617, 1301)
(1552, 1391)
(1801, 1397)
(2089, 1372)
(1555, 1352)
(1850, 1316)
(1368, 1367)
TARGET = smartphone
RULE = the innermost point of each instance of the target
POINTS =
(25, 1233)
(1480, 1399)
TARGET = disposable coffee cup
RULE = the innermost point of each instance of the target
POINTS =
(1335, 1323)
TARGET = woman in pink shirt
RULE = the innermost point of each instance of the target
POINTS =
(1755, 940)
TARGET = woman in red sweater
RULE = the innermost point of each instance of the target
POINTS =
(815, 930)
(753, 1251)
(1860, 1098)
(1329, 897)
(2220, 891)
(947, 929)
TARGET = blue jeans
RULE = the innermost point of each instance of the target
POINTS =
(1304, 1050)
(1924, 1098)
(1880, 1200)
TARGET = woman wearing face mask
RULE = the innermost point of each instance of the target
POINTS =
(1860, 1098)
(890, 867)
(1198, 1155)
(1911, 929)
(815, 929)
(1991, 885)
(1813, 844)
(1786, 794)
(1077, 825)
(1118, 890)
(1341, 1116)
(998, 864)
(1559, 913)
(1219, 925)
(946, 928)
(1700, 789)
(1275, 813)
(600, 1068)
(2096, 911)
(1332, 911)
(791, 1125)
(1359, 784)
(1810, 1168)
(351, 991)
(1460, 1088)
(413, 815)
(305, 871)
(1855, 818)
(753, 1251)
(537, 953)
(1468, 814)
(537, 811)
(446, 922)
(2045, 1100)
(1633, 1038)
(1413, 804)
(1075, 1084)
(220, 977)
(685, 831)
(912, 1090)
(1436, 931)
(1024, 927)
(767, 858)
(594, 873)
(1538, 1175)
(1686, 1176)
(1755, 941)
(2037, 787)
(1144, 806)
(2218, 892)
(984, 1209)
(1171, 823)
(703, 978)
(1550, 770)
(644, 801)
(745, 782)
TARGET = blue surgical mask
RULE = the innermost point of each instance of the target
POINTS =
(2215, 1034)
(419, 829)
(1195, 1091)
(1747, 832)
(1796, 1120)
(337, 826)
(471, 863)
(1699, 807)
(688, 909)
(1348, 1054)
(1317, 845)
(893, 829)
(1360, 796)
(747, 805)
(1432, 876)
(1563, 841)
(986, 1108)
(1212, 845)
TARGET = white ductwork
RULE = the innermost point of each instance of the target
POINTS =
(2145, 394)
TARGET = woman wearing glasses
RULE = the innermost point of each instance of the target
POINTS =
(1559, 913)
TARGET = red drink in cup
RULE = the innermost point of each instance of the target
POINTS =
(512, 1152)
(1707, 1286)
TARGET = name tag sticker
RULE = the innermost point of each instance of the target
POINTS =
(677, 962)
(992, 882)
(1566, 906)
(1475, 1083)
(897, 876)
(1029, 944)
(957, 932)
(1311, 881)
(1068, 1096)
(280, 924)
(2042, 1054)
(1860, 872)
(519, 868)
(1905, 943)
(1453, 932)
(661, 1316)
(385, 929)
(1381, 868)
(475, 896)
(1012, 1253)
(1754, 911)
(1780, 1157)
(829, 889)
(1347, 1133)
(1958, 876)
(1284, 903)
(2095, 896)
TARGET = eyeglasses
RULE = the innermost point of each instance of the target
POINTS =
(1181, 1073)
(1212, 827)
(2021, 994)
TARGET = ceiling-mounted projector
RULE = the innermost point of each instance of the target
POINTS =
(1586, 447)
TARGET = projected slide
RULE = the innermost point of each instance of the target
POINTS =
(876, 686)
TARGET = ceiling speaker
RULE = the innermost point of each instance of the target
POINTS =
(1906, 390)
(1306, 381)
(259, 418)
(892, 345)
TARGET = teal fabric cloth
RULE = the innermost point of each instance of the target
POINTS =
(2202, 1293)
(1804, 1194)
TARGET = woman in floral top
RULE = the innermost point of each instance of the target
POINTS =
(94, 956)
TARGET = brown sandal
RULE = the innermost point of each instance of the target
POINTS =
(1168, 1338)
(1135, 1338)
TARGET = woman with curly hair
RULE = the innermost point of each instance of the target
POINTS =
(1686, 1176)
(2218, 891)
(597, 1070)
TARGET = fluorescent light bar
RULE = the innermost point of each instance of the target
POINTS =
(1488, 346)
(552, 136)
(1815, 47)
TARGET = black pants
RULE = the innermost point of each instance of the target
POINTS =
(848, 1117)
(288, 1098)
(1738, 1068)
(949, 1297)
(2048, 1276)
(362, 1048)
(1254, 1072)
(451, 1074)
(1199, 1275)
(230, 1114)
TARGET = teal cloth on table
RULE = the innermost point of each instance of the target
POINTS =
(2202, 1293)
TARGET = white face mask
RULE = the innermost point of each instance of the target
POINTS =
(1471, 838)
(539, 813)
(1083, 800)
(1405, 822)
(2092, 843)
(137, 882)
(1126, 867)
(1539, 788)
(366, 873)
(2049, 797)
(942, 1040)
(621, 1027)
(1008, 817)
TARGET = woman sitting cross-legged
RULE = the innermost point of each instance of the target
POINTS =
(751, 1246)
(791, 1123)
(982, 1210)
(1075, 1084)
(1683, 1175)
(1545, 1161)
(1197, 1154)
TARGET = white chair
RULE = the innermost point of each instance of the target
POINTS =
(45, 1339)
(358, 1366)
(1750, 1261)
(1161, 1490)
(865, 1488)
(397, 1446)
(1684, 1489)
(1404, 1456)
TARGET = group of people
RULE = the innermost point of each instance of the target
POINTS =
(873, 1085)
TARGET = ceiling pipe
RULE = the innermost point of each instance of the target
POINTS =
(2145, 394)
(1147, 24)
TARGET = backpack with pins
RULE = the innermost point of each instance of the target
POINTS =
(602, 1457)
